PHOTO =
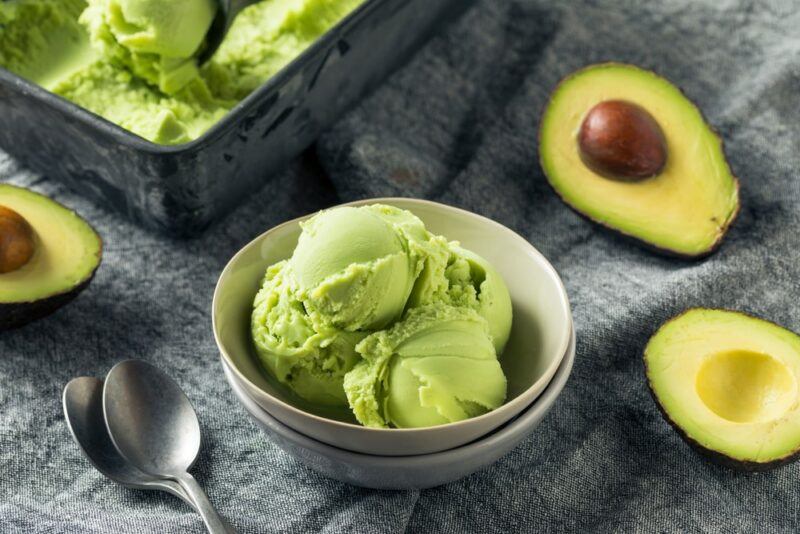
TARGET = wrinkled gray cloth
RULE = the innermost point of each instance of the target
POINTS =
(457, 124)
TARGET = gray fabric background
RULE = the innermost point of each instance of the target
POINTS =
(458, 125)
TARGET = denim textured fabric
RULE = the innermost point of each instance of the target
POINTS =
(457, 124)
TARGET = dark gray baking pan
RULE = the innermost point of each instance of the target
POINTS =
(182, 189)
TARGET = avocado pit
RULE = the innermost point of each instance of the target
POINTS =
(17, 243)
(622, 141)
(49, 252)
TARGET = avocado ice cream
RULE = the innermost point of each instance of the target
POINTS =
(154, 39)
(131, 61)
(309, 356)
(353, 269)
(375, 312)
(472, 282)
(436, 366)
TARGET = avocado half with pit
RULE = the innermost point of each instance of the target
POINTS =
(48, 255)
(626, 149)
(728, 382)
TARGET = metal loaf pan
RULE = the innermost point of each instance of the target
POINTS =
(182, 189)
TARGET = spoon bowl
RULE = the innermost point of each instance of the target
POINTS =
(83, 411)
(154, 426)
(150, 419)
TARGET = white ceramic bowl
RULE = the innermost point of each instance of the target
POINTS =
(539, 335)
(408, 472)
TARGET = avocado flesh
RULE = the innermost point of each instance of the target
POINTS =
(687, 208)
(67, 253)
(729, 383)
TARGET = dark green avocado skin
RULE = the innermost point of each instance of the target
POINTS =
(717, 457)
(646, 245)
(20, 314)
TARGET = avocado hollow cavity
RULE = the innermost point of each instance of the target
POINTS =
(746, 387)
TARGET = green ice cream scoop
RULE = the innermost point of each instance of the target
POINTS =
(156, 39)
(354, 269)
(174, 28)
(309, 358)
(437, 366)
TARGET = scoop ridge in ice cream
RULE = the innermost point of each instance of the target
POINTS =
(156, 40)
(474, 283)
(375, 312)
(437, 366)
(173, 29)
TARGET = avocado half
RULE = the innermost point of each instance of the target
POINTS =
(728, 383)
(65, 254)
(625, 148)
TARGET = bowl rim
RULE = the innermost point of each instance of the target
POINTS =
(519, 424)
(546, 376)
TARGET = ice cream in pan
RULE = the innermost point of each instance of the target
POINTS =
(132, 61)
(374, 312)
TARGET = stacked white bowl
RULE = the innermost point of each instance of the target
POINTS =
(537, 362)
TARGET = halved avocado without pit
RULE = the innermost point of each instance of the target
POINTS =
(628, 150)
(48, 255)
(728, 383)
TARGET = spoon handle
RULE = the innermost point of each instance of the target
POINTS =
(214, 523)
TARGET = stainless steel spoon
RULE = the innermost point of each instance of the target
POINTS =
(83, 410)
(226, 13)
(153, 425)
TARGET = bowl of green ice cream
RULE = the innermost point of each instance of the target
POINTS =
(408, 472)
(391, 326)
